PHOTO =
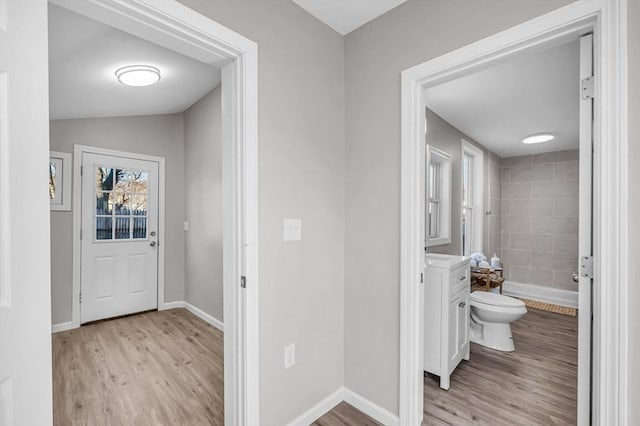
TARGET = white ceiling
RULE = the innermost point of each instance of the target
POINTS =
(533, 93)
(83, 57)
(345, 16)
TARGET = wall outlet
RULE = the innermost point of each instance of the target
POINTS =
(292, 229)
(290, 355)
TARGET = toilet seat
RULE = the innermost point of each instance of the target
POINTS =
(495, 299)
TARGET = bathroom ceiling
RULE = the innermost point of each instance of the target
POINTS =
(537, 92)
(84, 55)
(345, 16)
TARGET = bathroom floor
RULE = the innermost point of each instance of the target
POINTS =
(535, 385)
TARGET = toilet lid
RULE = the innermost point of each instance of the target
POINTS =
(496, 299)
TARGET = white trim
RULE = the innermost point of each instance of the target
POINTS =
(445, 160)
(204, 316)
(368, 407)
(477, 179)
(607, 19)
(539, 293)
(63, 326)
(172, 305)
(350, 397)
(319, 409)
(174, 25)
(65, 205)
(78, 151)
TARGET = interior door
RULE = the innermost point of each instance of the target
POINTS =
(119, 271)
(25, 285)
(585, 246)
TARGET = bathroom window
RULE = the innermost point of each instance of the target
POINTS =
(437, 197)
(472, 198)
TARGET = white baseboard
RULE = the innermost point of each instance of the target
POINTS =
(373, 410)
(350, 397)
(204, 316)
(319, 410)
(63, 326)
(195, 311)
(172, 305)
(541, 294)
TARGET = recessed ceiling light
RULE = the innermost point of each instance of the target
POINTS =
(138, 75)
(539, 138)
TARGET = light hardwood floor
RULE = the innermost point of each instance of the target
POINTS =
(156, 368)
(535, 385)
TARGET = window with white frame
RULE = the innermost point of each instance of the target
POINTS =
(437, 197)
(472, 198)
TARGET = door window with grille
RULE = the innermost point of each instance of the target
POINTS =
(121, 204)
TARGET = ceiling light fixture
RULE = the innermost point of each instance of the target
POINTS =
(539, 138)
(138, 75)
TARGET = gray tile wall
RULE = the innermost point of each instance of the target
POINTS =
(493, 221)
(540, 218)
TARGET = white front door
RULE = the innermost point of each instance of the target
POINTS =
(119, 271)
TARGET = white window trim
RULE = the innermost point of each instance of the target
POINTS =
(444, 159)
(477, 173)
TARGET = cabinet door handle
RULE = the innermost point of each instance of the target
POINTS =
(462, 304)
(462, 278)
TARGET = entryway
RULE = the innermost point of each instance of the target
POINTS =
(119, 235)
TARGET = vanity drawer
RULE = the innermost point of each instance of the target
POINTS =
(460, 278)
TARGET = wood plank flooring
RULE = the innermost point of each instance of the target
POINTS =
(535, 385)
(156, 368)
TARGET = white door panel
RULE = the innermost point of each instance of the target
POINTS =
(25, 287)
(585, 236)
(119, 272)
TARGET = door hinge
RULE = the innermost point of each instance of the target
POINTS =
(81, 170)
(587, 88)
(243, 281)
(586, 267)
(80, 297)
(421, 278)
(81, 234)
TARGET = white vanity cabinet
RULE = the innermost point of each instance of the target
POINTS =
(446, 314)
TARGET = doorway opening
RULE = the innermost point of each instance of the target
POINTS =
(134, 197)
(556, 28)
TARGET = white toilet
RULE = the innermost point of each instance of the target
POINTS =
(491, 318)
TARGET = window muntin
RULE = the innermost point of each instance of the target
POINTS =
(437, 197)
(121, 204)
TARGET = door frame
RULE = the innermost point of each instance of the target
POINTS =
(607, 20)
(177, 27)
(78, 151)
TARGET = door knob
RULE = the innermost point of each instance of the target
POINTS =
(462, 304)
(152, 243)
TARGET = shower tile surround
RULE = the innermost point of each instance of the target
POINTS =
(539, 218)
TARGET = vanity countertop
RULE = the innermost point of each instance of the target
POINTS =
(444, 260)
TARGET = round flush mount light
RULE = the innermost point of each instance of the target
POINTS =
(539, 138)
(138, 75)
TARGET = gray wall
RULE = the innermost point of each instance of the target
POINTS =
(160, 135)
(633, 18)
(302, 175)
(540, 219)
(443, 135)
(375, 55)
(203, 204)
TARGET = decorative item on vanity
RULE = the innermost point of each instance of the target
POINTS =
(446, 314)
(491, 318)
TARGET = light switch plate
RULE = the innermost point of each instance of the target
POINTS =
(292, 229)
(290, 355)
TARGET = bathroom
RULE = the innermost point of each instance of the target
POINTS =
(502, 207)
